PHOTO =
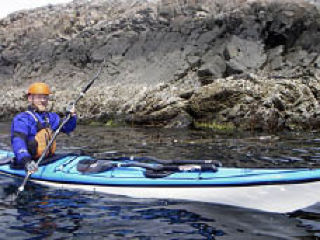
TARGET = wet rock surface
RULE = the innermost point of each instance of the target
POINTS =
(254, 64)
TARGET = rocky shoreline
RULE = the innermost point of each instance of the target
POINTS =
(253, 65)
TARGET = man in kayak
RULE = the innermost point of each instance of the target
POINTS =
(32, 130)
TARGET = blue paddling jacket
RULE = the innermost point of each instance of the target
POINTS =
(24, 128)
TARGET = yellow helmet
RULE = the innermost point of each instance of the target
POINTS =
(39, 88)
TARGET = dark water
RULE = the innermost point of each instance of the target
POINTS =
(48, 213)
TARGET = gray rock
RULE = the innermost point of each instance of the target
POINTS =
(244, 55)
(252, 63)
(182, 120)
(213, 67)
(275, 58)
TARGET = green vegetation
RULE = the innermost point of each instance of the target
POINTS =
(95, 123)
(219, 127)
(111, 123)
(101, 123)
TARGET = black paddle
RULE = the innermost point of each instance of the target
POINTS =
(82, 93)
(178, 162)
(113, 156)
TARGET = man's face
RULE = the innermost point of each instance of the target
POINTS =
(39, 101)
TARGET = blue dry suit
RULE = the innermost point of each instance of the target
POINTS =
(24, 127)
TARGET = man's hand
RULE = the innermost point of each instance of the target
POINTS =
(71, 109)
(31, 167)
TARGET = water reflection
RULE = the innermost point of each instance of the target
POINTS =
(60, 214)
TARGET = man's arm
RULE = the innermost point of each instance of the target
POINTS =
(19, 139)
(68, 127)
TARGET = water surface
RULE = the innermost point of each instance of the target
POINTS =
(49, 213)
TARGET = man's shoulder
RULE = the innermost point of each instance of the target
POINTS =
(21, 115)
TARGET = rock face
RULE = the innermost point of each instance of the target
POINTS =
(255, 64)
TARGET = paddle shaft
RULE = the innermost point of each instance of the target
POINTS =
(82, 93)
(86, 88)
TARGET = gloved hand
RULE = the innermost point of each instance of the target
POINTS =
(31, 166)
(71, 109)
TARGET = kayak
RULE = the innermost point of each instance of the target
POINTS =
(272, 190)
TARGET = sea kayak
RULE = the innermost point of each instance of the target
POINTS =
(273, 190)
